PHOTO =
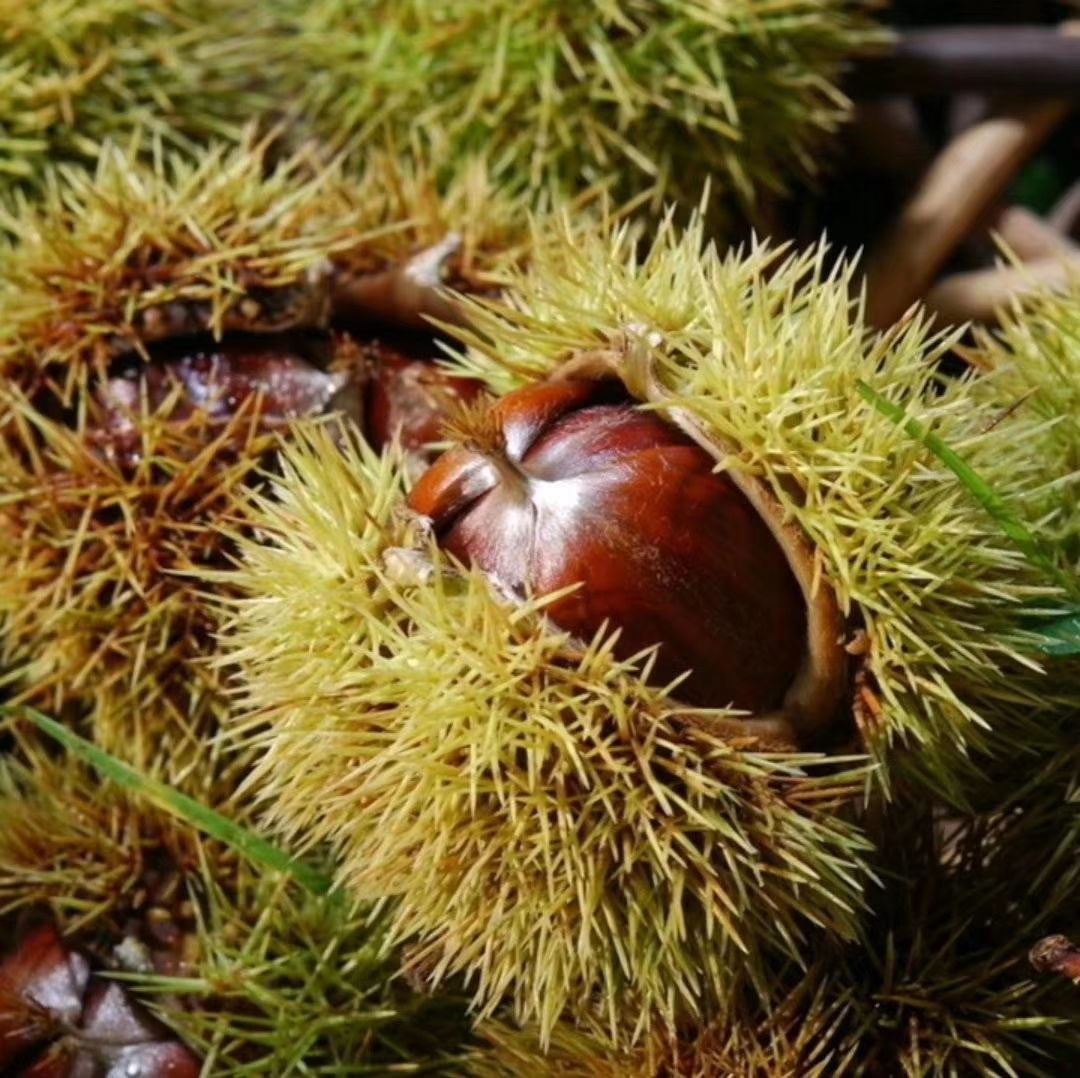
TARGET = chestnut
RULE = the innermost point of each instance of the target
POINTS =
(409, 397)
(214, 381)
(218, 379)
(58, 1019)
(568, 482)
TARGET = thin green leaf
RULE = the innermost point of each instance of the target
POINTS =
(178, 804)
(978, 487)
(1062, 635)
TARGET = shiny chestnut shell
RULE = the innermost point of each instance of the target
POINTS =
(574, 484)
(219, 378)
(271, 379)
(409, 396)
(58, 1020)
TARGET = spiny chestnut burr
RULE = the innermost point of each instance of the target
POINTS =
(131, 418)
(567, 482)
(636, 99)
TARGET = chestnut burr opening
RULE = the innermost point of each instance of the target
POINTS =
(568, 482)
(359, 342)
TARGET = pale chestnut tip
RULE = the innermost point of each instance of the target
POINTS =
(408, 294)
(568, 482)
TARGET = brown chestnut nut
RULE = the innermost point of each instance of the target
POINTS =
(57, 1019)
(409, 396)
(42, 986)
(218, 379)
(272, 376)
(568, 482)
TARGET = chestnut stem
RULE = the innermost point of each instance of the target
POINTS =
(1056, 954)
(425, 268)
(964, 180)
(406, 294)
(1021, 60)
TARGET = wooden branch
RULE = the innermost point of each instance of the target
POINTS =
(1065, 216)
(1031, 237)
(981, 295)
(965, 179)
(886, 136)
(1036, 61)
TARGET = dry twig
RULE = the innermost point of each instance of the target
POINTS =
(967, 176)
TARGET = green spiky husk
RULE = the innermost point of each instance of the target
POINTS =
(262, 978)
(740, 1046)
(649, 97)
(453, 747)
(97, 614)
(80, 849)
(286, 982)
(940, 984)
(100, 620)
(174, 72)
(535, 806)
(936, 984)
(1035, 358)
(765, 352)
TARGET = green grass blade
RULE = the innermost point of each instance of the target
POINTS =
(173, 801)
(978, 487)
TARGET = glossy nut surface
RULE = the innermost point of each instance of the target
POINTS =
(410, 396)
(220, 379)
(57, 1020)
(578, 485)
